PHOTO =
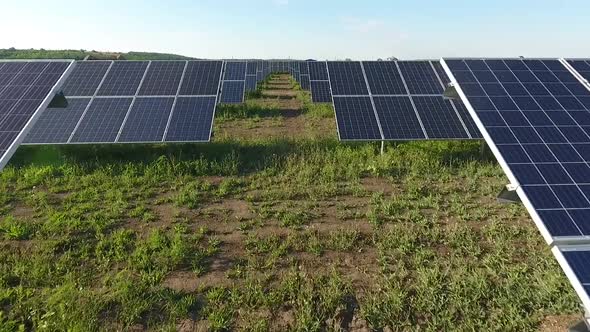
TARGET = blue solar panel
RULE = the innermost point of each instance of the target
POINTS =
(251, 83)
(304, 68)
(420, 78)
(201, 78)
(102, 121)
(439, 118)
(347, 78)
(356, 119)
(147, 120)
(320, 92)
(318, 71)
(85, 78)
(162, 78)
(232, 92)
(251, 67)
(55, 125)
(575, 260)
(24, 87)
(191, 120)
(398, 118)
(123, 78)
(305, 85)
(533, 112)
(384, 78)
(235, 71)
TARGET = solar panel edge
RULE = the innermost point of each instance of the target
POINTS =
(20, 137)
(559, 252)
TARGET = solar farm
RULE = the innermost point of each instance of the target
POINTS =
(292, 195)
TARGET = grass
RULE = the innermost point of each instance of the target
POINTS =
(257, 235)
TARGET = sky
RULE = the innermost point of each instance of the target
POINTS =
(304, 29)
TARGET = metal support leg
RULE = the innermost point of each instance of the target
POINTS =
(382, 147)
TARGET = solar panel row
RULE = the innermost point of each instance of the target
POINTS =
(406, 101)
(26, 87)
(106, 107)
(535, 116)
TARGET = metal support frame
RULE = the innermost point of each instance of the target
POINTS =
(508, 195)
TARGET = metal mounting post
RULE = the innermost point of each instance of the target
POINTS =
(382, 147)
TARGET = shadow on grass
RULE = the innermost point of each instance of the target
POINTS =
(231, 157)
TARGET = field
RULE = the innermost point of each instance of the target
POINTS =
(275, 225)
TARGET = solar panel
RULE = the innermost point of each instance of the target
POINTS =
(320, 92)
(123, 78)
(147, 120)
(201, 78)
(384, 78)
(318, 70)
(398, 118)
(575, 261)
(251, 83)
(305, 85)
(26, 88)
(439, 118)
(55, 125)
(102, 121)
(162, 78)
(356, 119)
(347, 78)
(85, 78)
(235, 71)
(409, 107)
(582, 67)
(535, 120)
(191, 120)
(232, 92)
(420, 78)
(251, 68)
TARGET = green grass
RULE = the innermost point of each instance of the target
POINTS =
(257, 235)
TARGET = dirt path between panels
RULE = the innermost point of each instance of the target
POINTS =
(284, 116)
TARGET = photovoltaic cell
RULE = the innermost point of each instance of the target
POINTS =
(318, 71)
(235, 71)
(320, 92)
(191, 119)
(356, 119)
(384, 78)
(55, 125)
(534, 113)
(232, 92)
(575, 260)
(201, 78)
(102, 121)
(252, 68)
(123, 78)
(162, 78)
(85, 78)
(147, 120)
(347, 78)
(398, 118)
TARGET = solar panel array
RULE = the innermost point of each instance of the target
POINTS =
(535, 116)
(391, 100)
(26, 88)
(233, 87)
(319, 82)
(133, 101)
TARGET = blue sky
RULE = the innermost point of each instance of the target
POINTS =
(301, 29)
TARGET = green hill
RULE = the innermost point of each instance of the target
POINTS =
(13, 53)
